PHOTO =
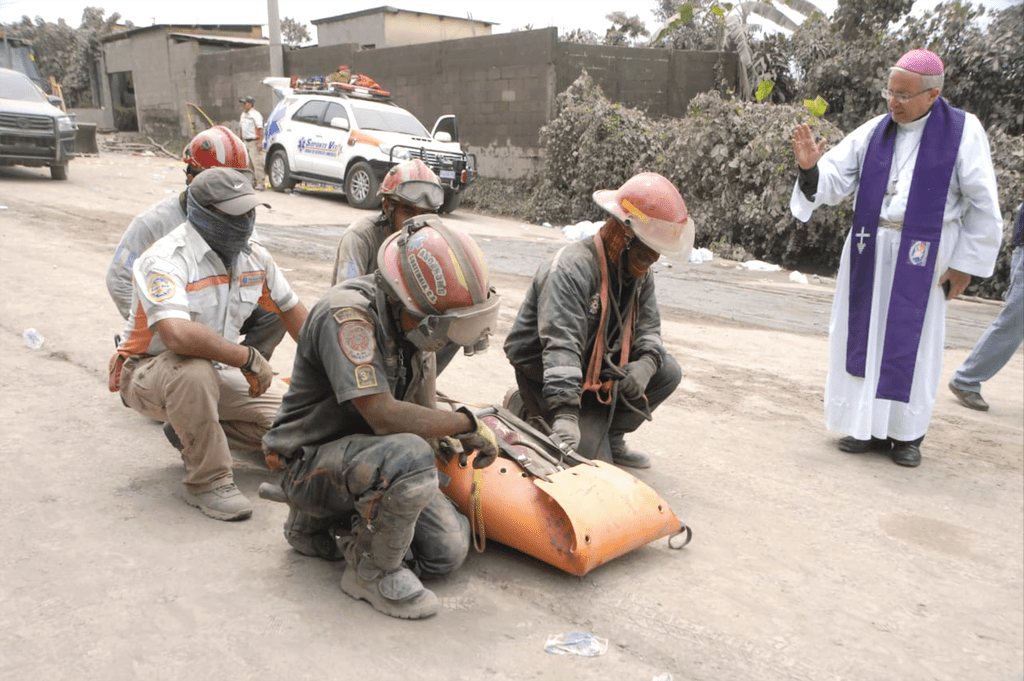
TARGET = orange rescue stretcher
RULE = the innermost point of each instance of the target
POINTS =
(545, 500)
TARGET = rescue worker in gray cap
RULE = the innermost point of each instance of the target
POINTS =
(192, 291)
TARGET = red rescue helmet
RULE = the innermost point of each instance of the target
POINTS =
(439, 276)
(213, 148)
(414, 183)
(651, 206)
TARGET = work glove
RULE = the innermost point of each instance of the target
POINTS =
(445, 447)
(567, 428)
(633, 385)
(480, 439)
(257, 373)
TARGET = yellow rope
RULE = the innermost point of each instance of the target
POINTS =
(476, 516)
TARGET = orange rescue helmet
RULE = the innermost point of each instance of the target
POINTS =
(438, 275)
(213, 148)
(414, 183)
(652, 208)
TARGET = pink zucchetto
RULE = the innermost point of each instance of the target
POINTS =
(924, 62)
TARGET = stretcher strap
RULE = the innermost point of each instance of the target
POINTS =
(476, 515)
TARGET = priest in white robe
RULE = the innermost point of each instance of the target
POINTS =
(926, 220)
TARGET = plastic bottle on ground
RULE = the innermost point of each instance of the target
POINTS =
(33, 339)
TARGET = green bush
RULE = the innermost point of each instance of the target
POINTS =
(1008, 159)
(732, 162)
(591, 144)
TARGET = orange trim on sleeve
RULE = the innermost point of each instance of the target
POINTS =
(266, 302)
(140, 338)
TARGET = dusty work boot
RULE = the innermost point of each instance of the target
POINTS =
(396, 593)
(513, 401)
(623, 456)
(311, 536)
(223, 503)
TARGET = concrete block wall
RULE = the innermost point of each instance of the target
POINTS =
(502, 87)
(659, 82)
(638, 78)
(499, 87)
(222, 78)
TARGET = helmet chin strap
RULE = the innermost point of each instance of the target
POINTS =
(388, 207)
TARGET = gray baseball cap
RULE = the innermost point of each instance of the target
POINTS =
(248, 100)
(225, 189)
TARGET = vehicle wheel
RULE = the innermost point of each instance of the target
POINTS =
(278, 172)
(361, 186)
(59, 172)
(451, 202)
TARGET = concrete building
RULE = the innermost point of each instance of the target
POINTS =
(150, 73)
(393, 27)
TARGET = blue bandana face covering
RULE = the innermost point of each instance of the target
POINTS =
(227, 235)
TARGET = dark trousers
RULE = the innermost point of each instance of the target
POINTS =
(344, 478)
(596, 432)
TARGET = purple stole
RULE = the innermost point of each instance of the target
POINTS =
(919, 247)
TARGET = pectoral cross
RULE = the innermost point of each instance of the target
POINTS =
(860, 244)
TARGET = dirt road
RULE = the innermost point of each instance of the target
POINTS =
(806, 563)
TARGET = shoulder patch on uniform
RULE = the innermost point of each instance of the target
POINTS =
(347, 314)
(160, 287)
(349, 270)
(366, 376)
(356, 341)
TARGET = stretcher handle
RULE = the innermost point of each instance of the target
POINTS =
(685, 532)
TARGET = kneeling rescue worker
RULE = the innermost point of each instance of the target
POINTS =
(586, 344)
(358, 429)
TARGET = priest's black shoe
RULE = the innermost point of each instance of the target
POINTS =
(906, 454)
(855, 446)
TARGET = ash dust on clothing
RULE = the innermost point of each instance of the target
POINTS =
(555, 333)
(555, 330)
(357, 250)
(209, 407)
(207, 404)
(146, 229)
(357, 257)
(263, 330)
(181, 277)
(336, 467)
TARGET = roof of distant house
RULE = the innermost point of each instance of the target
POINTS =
(394, 10)
(234, 34)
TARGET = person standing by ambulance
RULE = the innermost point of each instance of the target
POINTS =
(250, 124)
